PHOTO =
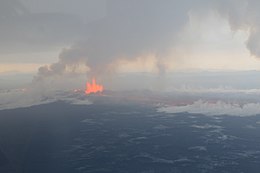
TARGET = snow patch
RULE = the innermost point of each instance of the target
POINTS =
(215, 109)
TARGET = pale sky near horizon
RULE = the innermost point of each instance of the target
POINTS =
(204, 42)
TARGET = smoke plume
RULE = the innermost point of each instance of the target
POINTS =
(136, 27)
(130, 28)
(244, 15)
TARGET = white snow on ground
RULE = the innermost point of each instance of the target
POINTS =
(217, 108)
(76, 101)
(18, 98)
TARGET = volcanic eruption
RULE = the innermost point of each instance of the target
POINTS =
(93, 87)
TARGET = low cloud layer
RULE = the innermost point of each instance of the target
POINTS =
(214, 109)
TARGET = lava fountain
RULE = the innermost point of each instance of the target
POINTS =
(93, 87)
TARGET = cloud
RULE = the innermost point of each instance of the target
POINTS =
(24, 31)
(214, 109)
(129, 30)
(244, 15)
(134, 28)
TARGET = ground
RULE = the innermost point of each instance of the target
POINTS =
(125, 137)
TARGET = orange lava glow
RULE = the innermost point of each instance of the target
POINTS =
(93, 87)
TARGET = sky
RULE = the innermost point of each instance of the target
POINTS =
(33, 33)
(139, 35)
(59, 38)
(197, 46)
